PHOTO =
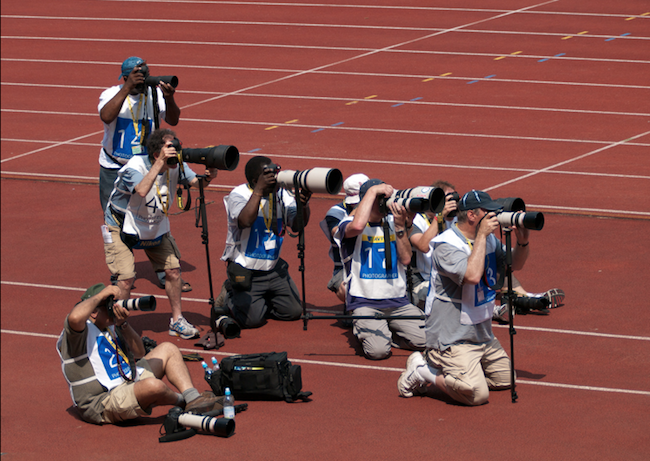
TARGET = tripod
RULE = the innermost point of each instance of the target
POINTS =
(200, 215)
(510, 297)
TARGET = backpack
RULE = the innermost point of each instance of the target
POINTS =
(264, 376)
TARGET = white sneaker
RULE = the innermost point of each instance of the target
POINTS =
(410, 382)
(182, 328)
(500, 313)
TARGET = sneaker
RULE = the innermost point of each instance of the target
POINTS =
(205, 403)
(410, 382)
(182, 328)
(555, 297)
(500, 313)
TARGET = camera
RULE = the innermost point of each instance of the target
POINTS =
(145, 303)
(524, 304)
(221, 157)
(416, 199)
(155, 81)
(514, 214)
(275, 169)
(453, 197)
(228, 327)
(320, 180)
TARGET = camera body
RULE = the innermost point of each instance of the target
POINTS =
(456, 198)
(275, 169)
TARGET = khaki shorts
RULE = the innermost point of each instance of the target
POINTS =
(121, 262)
(120, 404)
(470, 370)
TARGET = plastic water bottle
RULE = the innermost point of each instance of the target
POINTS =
(215, 364)
(208, 371)
(229, 405)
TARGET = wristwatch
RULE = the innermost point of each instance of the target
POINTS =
(399, 233)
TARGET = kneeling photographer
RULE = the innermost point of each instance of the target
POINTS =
(136, 218)
(375, 251)
(98, 350)
(463, 358)
(259, 285)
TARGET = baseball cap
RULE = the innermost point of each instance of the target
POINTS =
(478, 199)
(367, 185)
(351, 187)
(92, 291)
(129, 64)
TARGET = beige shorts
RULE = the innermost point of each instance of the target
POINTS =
(121, 262)
(471, 370)
(120, 404)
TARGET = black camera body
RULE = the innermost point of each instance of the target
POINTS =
(272, 168)
(453, 196)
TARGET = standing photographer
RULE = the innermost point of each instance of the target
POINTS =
(374, 286)
(463, 357)
(127, 111)
(259, 284)
(98, 347)
(136, 217)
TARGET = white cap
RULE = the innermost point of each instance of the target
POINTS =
(351, 187)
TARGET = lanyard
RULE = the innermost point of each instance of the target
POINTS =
(138, 133)
(164, 205)
(469, 243)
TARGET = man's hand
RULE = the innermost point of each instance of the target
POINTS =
(450, 205)
(488, 224)
(266, 182)
(167, 89)
(134, 83)
(399, 215)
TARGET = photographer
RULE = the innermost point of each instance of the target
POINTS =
(375, 287)
(97, 348)
(330, 225)
(425, 227)
(463, 357)
(128, 114)
(136, 217)
(259, 285)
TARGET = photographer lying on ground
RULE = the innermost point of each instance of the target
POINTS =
(259, 285)
(136, 217)
(96, 365)
(463, 357)
(374, 286)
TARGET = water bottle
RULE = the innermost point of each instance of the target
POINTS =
(229, 405)
(215, 364)
(208, 371)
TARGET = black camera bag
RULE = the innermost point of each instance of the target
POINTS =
(264, 376)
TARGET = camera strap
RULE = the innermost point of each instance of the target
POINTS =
(387, 249)
(179, 189)
(116, 342)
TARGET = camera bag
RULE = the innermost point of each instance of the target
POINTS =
(264, 376)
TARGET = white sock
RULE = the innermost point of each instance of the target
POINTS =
(428, 373)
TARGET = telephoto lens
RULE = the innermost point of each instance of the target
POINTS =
(145, 303)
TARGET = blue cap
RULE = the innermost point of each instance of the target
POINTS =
(478, 199)
(129, 64)
(367, 185)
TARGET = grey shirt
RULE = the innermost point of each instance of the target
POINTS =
(443, 327)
